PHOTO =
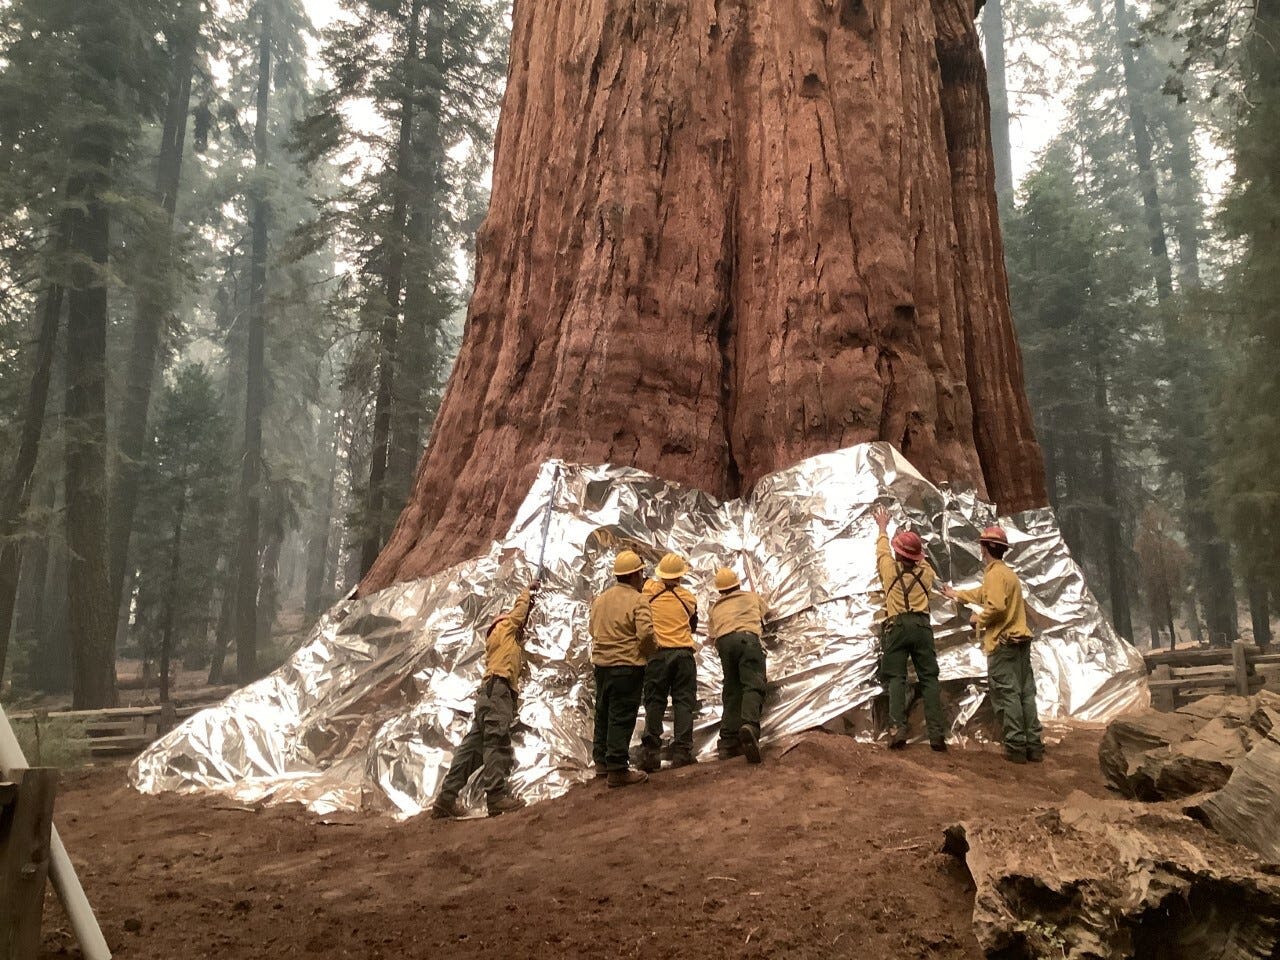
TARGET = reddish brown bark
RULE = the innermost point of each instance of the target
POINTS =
(725, 236)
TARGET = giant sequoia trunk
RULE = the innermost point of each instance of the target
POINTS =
(725, 236)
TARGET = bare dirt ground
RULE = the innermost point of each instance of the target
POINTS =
(828, 850)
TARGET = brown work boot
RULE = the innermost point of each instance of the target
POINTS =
(446, 808)
(727, 750)
(1016, 756)
(750, 741)
(897, 738)
(1035, 756)
(504, 804)
(601, 771)
(626, 778)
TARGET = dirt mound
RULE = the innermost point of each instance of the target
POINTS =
(830, 848)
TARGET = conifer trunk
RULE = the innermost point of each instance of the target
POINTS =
(774, 239)
(394, 250)
(90, 613)
(153, 308)
(16, 495)
(246, 608)
(1002, 151)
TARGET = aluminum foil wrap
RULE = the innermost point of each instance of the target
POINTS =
(366, 714)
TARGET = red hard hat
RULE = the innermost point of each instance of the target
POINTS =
(908, 546)
(994, 535)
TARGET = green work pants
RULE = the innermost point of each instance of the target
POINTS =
(908, 637)
(671, 673)
(1013, 697)
(742, 659)
(618, 694)
(487, 746)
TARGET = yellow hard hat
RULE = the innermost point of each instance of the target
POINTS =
(672, 567)
(628, 561)
(726, 579)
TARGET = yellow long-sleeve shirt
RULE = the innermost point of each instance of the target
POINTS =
(902, 593)
(504, 647)
(738, 612)
(675, 614)
(1004, 612)
(621, 628)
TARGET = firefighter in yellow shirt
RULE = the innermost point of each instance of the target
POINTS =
(1006, 640)
(735, 626)
(622, 640)
(487, 746)
(906, 579)
(672, 671)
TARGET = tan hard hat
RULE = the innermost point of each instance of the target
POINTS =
(672, 567)
(627, 562)
(726, 579)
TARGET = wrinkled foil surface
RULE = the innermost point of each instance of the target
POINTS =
(366, 714)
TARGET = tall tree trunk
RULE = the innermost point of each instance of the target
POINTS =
(1187, 206)
(316, 592)
(394, 248)
(1212, 555)
(16, 496)
(171, 592)
(1118, 586)
(1142, 150)
(670, 289)
(993, 35)
(52, 670)
(1260, 611)
(269, 589)
(417, 359)
(225, 626)
(153, 300)
(255, 377)
(91, 612)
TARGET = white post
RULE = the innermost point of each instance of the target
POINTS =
(83, 923)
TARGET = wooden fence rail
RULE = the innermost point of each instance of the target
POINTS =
(1177, 676)
(125, 731)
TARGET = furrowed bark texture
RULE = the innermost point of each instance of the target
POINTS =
(725, 236)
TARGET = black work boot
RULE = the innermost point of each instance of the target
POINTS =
(897, 738)
(1035, 756)
(601, 771)
(446, 808)
(504, 804)
(681, 758)
(750, 741)
(626, 778)
(727, 750)
(939, 745)
(650, 759)
(1016, 756)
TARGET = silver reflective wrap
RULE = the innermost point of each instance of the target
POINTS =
(366, 713)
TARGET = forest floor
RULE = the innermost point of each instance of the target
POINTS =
(830, 848)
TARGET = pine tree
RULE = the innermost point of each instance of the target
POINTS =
(184, 499)
(1249, 470)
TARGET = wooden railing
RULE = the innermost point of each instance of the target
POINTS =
(1179, 676)
(125, 731)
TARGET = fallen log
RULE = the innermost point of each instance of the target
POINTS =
(1113, 879)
